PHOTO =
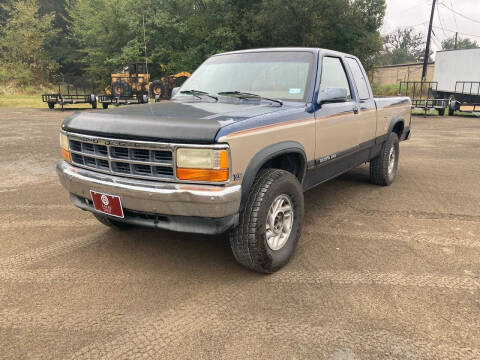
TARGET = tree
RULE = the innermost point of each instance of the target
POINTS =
(403, 46)
(96, 37)
(343, 25)
(465, 43)
(23, 56)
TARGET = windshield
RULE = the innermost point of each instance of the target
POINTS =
(277, 75)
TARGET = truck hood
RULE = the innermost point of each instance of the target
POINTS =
(172, 121)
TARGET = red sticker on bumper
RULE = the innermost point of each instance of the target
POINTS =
(107, 204)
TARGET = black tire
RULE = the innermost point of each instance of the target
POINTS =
(142, 98)
(121, 89)
(379, 167)
(105, 105)
(441, 112)
(158, 88)
(248, 240)
(51, 105)
(114, 224)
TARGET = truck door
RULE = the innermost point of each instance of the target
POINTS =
(336, 123)
(367, 111)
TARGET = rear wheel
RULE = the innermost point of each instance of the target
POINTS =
(271, 222)
(121, 88)
(108, 221)
(383, 168)
(158, 89)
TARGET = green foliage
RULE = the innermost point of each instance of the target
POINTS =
(465, 43)
(23, 56)
(402, 46)
(98, 37)
(386, 90)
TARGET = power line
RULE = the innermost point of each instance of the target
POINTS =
(460, 14)
(440, 20)
(454, 16)
(453, 31)
(437, 40)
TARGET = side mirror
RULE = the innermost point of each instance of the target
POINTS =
(332, 95)
(175, 90)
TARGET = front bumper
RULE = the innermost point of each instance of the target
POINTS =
(158, 204)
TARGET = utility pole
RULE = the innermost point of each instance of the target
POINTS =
(427, 47)
(456, 40)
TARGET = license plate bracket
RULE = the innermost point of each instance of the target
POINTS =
(107, 204)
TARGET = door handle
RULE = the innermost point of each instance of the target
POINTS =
(355, 109)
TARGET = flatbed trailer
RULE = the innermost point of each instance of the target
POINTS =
(72, 90)
(107, 100)
(423, 95)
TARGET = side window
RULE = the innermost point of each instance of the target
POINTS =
(333, 75)
(359, 79)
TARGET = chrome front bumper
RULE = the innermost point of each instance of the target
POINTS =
(154, 197)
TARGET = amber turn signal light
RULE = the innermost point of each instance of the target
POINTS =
(202, 175)
(66, 155)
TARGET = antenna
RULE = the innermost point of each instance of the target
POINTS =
(145, 44)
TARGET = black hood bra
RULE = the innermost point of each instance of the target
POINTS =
(195, 122)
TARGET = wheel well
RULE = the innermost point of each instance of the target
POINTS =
(398, 129)
(291, 162)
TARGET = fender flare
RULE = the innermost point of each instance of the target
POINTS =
(268, 153)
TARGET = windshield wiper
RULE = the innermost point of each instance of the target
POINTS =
(246, 95)
(197, 94)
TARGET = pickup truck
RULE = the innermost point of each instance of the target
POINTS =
(235, 149)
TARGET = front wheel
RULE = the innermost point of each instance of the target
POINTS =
(270, 223)
(383, 168)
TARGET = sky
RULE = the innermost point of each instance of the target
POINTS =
(416, 13)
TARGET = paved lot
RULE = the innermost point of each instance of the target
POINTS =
(380, 273)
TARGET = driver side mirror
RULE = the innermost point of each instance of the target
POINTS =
(332, 95)
(175, 91)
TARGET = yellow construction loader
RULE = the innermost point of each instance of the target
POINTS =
(133, 85)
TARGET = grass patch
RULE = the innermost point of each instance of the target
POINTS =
(386, 90)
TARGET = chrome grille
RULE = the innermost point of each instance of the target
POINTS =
(123, 158)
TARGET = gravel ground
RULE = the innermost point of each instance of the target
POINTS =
(380, 272)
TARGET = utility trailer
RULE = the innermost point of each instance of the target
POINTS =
(458, 76)
(107, 100)
(422, 94)
(72, 90)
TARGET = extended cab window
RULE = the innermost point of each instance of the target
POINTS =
(359, 79)
(333, 75)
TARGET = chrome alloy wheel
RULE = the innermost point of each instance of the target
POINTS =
(391, 161)
(279, 222)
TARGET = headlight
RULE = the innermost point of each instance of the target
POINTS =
(64, 146)
(202, 164)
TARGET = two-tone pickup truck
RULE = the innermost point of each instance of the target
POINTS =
(235, 149)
